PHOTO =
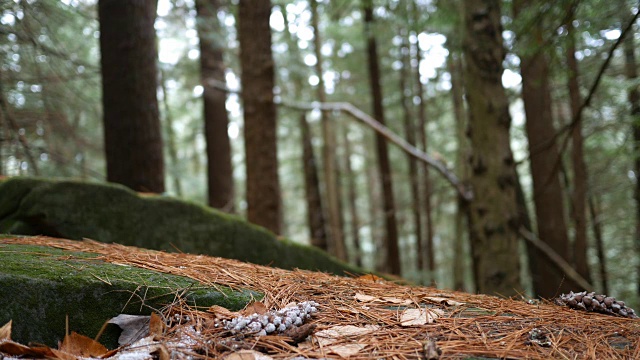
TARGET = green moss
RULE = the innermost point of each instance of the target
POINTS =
(41, 286)
(113, 213)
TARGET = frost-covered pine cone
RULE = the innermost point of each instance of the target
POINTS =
(272, 321)
(596, 303)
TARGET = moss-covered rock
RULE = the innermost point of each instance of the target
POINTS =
(41, 286)
(113, 213)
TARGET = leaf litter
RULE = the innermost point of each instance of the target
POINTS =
(357, 318)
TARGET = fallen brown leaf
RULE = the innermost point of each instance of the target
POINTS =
(80, 345)
(156, 326)
(5, 331)
(255, 308)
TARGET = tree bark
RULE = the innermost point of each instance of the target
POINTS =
(462, 168)
(596, 226)
(336, 226)
(580, 176)
(212, 69)
(132, 133)
(315, 215)
(352, 198)
(391, 241)
(410, 133)
(494, 219)
(633, 96)
(548, 279)
(257, 79)
(172, 150)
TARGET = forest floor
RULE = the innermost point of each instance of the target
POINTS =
(357, 318)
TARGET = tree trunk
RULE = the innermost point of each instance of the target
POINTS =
(597, 234)
(580, 177)
(336, 226)
(633, 95)
(391, 241)
(548, 279)
(172, 151)
(494, 219)
(256, 61)
(410, 134)
(462, 168)
(427, 255)
(132, 134)
(212, 70)
(352, 198)
(315, 215)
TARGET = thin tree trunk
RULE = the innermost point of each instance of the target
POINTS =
(596, 226)
(548, 279)
(410, 134)
(216, 120)
(336, 226)
(133, 137)
(580, 176)
(257, 79)
(391, 241)
(633, 95)
(428, 256)
(494, 219)
(315, 215)
(352, 198)
(457, 90)
(171, 137)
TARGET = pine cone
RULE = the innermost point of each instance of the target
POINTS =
(597, 303)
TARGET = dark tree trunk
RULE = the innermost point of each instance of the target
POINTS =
(332, 184)
(391, 241)
(256, 61)
(132, 133)
(548, 279)
(410, 129)
(597, 234)
(315, 215)
(631, 70)
(352, 198)
(462, 168)
(494, 219)
(212, 71)
(580, 177)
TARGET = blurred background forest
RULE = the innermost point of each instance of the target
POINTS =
(269, 110)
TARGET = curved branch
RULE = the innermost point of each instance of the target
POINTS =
(365, 118)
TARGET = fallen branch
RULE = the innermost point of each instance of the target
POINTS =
(389, 135)
(556, 259)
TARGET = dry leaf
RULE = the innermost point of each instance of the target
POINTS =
(444, 301)
(221, 312)
(420, 316)
(247, 355)
(255, 308)
(134, 327)
(8, 347)
(346, 350)
(331, 335)
(5, 331)
(371, 278)
(365, 298)
(397, 301)
(80, 345)
(156, 326)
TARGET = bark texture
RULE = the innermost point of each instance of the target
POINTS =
(132, 133)
(216, 120)
(494, 218)
(391, 226)
(256, 61)
(580, 176)
(548, 279)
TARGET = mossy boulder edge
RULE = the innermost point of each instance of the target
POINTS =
(41, 285)
(113, 213)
